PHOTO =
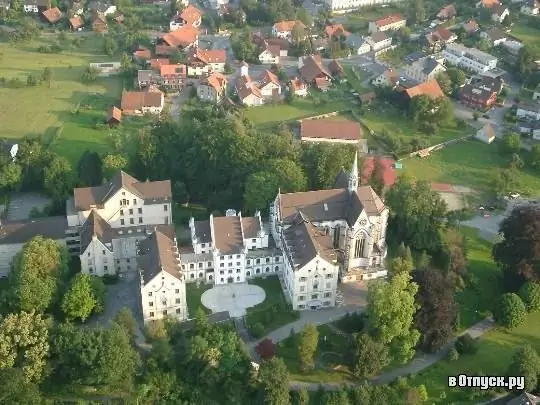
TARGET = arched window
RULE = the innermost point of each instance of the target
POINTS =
(258, 271)
(192, 275)
(267, 270)
(248, 273)
(210, 277)
(276, 268)
(200, 275)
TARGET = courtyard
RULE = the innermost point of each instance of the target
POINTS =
(234, 298)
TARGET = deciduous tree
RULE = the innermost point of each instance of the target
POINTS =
(274, 382)
(112, 163)
(79, 301)
(58, 178)
(307, 346)
(369, 356)
(16, 390)
(526, 362)
(125, 319)
(510, 310)
(530, 294)
(89, 169)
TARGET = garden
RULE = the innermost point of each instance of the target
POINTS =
(273, 312)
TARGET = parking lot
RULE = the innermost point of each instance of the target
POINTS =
(21, 204)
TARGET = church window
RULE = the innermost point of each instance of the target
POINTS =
(359, 247)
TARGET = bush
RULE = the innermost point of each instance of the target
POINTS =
(530, 294)
(257, 330)
(351, 323)
(452, 354)
(510, 310)
(155, 330)
(266, 349)
(466, 344)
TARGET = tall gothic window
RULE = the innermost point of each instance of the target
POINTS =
(337, 230)
(359, 247)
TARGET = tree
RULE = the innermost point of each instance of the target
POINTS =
(437, 309)
(391, 309)
(526, 362)
(466, 344)
(126, 64)
(31, 81)
(110, 45)
(519, 261)
(416, 215)
(47, 76)
(266, 349)
(369, 356)
(445, 82)
(58, 178)
(376, 180)
(503, 181)
(300, 397)
(418, 11)
(298, 33)
(307, 346)
(274, 382)
(530, 294)
(457, 76)
(24, 344)
(512, 142)
(79, 301)
(535, 156)
(38, 270)
(429, 114)
(516, 162)
(112, 163)
(125, 319)
(400, 265)
(510, 310)
(525, 62)
(10, 174)
(89, 169)
(323, 162)
(404, 34)
(335, 398)
(303, 15)
(16, 390)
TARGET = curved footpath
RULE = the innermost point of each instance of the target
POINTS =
(322, 317)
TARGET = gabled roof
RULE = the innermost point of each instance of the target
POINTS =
(286, 26)
(297, 84)
(136, 100)
(267, 77)
(335, 67)
(114, 113)
(251, 227)
(304, 242)
(182, 37)
(158, 253)
(53, 15)
(496, 34)
(228, 238)
(17, 232)
(76, 22)
(283, 44)
(216, 80)
(173, 70)
(155, 63)
(441, 34)
(429, 88)
(191, 14)
(389, 175)
(489, 3)
(96, 226)
(447, 12)
(471, 26)
(88, 197)
(336, 30)
(313, 68)
(209, 56)
(330, 129)
(489, 131)
(498, 9)
(246, 87)
(378, 36)
(271, 49)
(390, 19)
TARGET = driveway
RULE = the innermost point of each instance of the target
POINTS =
(21, 204)
(178, 100)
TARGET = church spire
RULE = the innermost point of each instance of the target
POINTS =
(353, 175)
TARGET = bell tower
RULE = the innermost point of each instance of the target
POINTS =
(353, 176)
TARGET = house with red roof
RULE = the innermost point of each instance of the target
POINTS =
(391, 22)
(203, 62)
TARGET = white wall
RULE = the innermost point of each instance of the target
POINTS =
(163, 296)
(97, 259)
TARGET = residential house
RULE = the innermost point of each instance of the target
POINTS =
(106, 69)
(77, 8)
(142, 54)
(76, 23)
(99, 22)
(471, 27)
(203, 62)
(162, 284)
(114, 116)
(388, 171)
(528, 110)
(324, 233)
(101, 7)
(512, 45)
(10, 148)
(437, 39)
(413, 57)
(531, 7)
(429, 88)
(184, 38)
(424, 69)
(230, 249)
(336, 69)
(499, 13)
(244, 69)
(270, 54)
(495, 36)
(313, 72)
(389, 78)
(119, 19)
(330, 131)
(172, 76)
(297, 87)
(52, 15)
(191, 16)
(336, 31)
(14, 235)
(469, 58)
(212, 88)
(147, 101)
(342, 6)
(269, 86)
(36, 6)
(367, 98)
(147, 78)
(447, 13)
(358, 44)
(389, 23)
(281, 43)
(379, 41)
(156, 63)
(482, 94)
(486, 134)
(320, 44)
(487, 3)
(284, 29)
(248, 92)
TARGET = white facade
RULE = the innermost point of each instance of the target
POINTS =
(500, 18)
(536, 94)
(417, 71)
(30, 8)
(268, 89)
(470, 58)
(344, 5)
(267, 57)
(528, 112)
(164, 296)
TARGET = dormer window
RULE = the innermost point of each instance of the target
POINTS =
(123, 193)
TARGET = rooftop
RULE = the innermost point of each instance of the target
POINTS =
(159, 253)
(19, 232)
(330, 129)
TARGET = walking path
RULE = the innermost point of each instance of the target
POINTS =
(418, 364)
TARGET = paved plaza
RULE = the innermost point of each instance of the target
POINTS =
(235, 298)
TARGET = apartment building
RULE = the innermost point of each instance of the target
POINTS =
(469, 58)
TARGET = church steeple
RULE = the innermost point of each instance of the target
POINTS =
(353, 175)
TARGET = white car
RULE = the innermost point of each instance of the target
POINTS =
(514, 196)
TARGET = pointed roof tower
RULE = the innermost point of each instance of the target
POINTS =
(353, 175)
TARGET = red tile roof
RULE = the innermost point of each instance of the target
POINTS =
(336, 30)
(391, 19)
(210, 56)
(389, 174)
(216, 80)
(330, 129)
(143, 54)
(136, 100)
(76, 22)
(173, 70)
(286, 26)
(114, 113)
(53, 15)
(157, 62)
(182, 37)
(430, 88)
(191, 14)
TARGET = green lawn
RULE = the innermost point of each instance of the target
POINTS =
(471, 163)
(529, 35)
(496, 349)
(300, 108)
(395, 56)
(358, 21)
(193, 297)
(328, 359)
(385, 119)
(480, 295)
(44, 110)
(273, 312)
(355, 77)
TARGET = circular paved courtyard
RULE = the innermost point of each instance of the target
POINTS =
(235, 298)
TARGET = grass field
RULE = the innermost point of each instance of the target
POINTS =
(328, 359)
(355, 79)
(193, 297)
(496, 349)
(274, 311)
(44, 110)
(358, 22)
(529, 35)
(386, 119)
(471, 163)
(480, 295)
(300, 108)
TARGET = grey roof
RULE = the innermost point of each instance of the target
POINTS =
(379, 36)
(355, 40)
(146, 75)
(413, 57)
(202, 231)
(496, 34)
(15, 232)
(98, 6)
(96, 226)
(304, 242)
(430, 64)
(342, 179)
(529, 106)
(377, 69)
(159, 253)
